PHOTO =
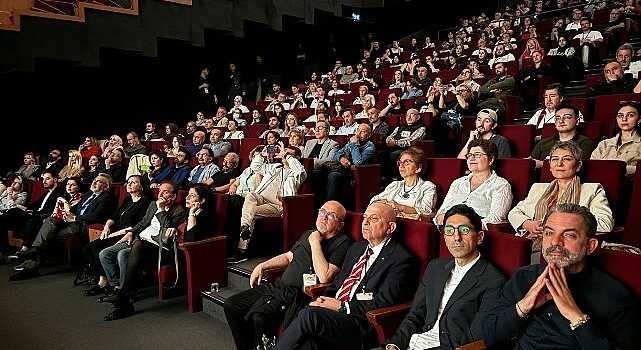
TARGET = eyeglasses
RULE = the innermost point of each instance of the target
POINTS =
(564, 117)
(202, 155)
(463, 230)
(475, 155)
(319, 128)
(329, 216)
(404, 162)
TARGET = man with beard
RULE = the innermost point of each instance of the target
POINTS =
(177, 174)
(221, 181)
(566, 304)
(486, 122)
(319, 253)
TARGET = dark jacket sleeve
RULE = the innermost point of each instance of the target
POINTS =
(204, 228)
(415, 319)
(98, 210)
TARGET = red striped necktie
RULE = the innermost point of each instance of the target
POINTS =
(354, 276)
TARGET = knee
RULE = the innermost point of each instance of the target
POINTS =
(334, 177)
(104, 255)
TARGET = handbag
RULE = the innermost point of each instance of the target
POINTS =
(166, 242)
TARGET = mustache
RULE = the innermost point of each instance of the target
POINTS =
(557, 249)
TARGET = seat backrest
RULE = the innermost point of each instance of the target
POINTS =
(36, 191)
(605, 108)
(609, 173)
(521, 138)
(247, 144)
(632, 233)
(519, 173)
(591, 129)
(255, 130)
(623, 266)
(505, 251)
(442, 172)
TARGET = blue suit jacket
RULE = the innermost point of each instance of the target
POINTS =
(99, 209)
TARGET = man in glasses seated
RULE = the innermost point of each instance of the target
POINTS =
(316, 257)
(454, 294)
(377, 272)
(566, 119)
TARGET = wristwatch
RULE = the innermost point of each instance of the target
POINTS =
(342, 309)
(583, 319)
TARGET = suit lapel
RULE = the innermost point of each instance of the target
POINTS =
(468, 282)
(435, 294)
(379, 263)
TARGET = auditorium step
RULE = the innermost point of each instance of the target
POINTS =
(238, 281)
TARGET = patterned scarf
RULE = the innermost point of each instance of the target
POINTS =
(549, 198)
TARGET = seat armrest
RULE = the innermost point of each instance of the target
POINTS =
(272, 274)
(367, 183)
(502, 226)
(377, 315)
(205, 263)
(316, 290)
(615, 236)
(477, 345)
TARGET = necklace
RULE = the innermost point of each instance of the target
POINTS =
(406, 192)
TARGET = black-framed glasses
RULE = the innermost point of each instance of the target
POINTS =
(463, 229)
(475, 155)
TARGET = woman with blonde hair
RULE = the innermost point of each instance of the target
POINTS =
(73, 168)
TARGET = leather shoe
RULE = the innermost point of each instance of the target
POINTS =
(121, 311)
(96, 290)
(24, 274)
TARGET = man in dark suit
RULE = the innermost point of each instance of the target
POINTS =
(95, 206)
(26, 223)
(378, 272)
(454, 295)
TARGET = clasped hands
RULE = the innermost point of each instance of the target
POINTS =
(553, 279)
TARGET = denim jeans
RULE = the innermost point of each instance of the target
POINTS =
(113, 260)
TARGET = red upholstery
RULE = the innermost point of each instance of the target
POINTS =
(247, 144)
(605, 108)
(584, 105)
(609, 173)
(621, 265)
(442, 171)
(367, 183)
(632, 231)
(303, 113)
(428, 147)
(254, 131)
(36, 191)
(519, 173)
(346, 98)
(506, 252)
(383, 93)
(391, 120)
(512, 109)
(521, 138)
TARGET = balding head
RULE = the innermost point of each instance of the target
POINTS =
(330, 219)
(379, 222)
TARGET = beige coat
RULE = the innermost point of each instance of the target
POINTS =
(592, 196)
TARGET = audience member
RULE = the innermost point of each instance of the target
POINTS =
(626, 144)
(197, 143)
(412, 197)
(615, 82)
(219, 147)
(567, 303)
(206, 168)
(566, 120)
(486, 123)
(135, 147)
(350, 125)
(482, 189)
(73, 168)
(400, 139)
(102, 264)
(232, 132)
(89, 147)
(455, 294)
(322, 148)
(338, 319)
(278, 180)
(258, 311)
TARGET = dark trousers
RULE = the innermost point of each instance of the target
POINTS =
(247, 328)
(232, 222)
(18, 221)
(91, 251)
(320, 328)
(143, 255)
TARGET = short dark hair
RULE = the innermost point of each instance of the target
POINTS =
(569, 106)
(297, 152)
(468, 212)
(589, 221)
(560, 90)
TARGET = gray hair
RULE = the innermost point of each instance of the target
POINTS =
(568, 146)
(235, 157)
(589, 221)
